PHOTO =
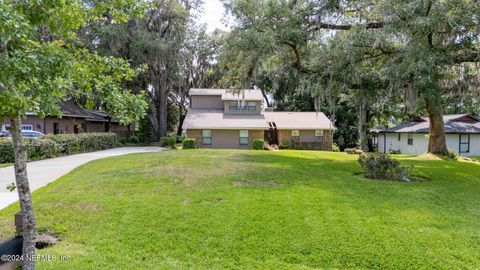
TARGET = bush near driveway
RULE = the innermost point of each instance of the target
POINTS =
(57, 145)
(189, 143)
(168, 141)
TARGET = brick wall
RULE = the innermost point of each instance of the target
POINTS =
(306, 141)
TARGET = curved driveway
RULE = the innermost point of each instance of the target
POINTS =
(42, 172)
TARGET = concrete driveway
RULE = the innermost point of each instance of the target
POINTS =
(45, 171)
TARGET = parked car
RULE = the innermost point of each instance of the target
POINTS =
(25, 134)
(3, 134)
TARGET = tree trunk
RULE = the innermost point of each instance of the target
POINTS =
(362, 123)
(437, 143)
(162, 113)
(24, 194)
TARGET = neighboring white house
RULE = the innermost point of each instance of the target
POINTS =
(462, 134)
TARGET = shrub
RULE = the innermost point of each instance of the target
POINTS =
(335, 148)
(89, 142)
(42, 149)
(381, 166)
(285, 145)
(168, 141)
(56, 145)
(6, 151)
(85, 142)
(258, 144)
(188, 143)
(133, 139)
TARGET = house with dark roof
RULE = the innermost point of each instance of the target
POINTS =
(221, 118)
(74, 119)
(462, 135)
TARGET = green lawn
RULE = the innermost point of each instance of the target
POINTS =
(5, 165)
(476, 158)
(207, 209)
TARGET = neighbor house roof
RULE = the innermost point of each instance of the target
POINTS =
(454, 123)
(299, 120)
(70, 109)
(216, 119)
(229, 94)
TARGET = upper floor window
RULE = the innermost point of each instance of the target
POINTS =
(207, 136)
(238, 106)
(464, 143)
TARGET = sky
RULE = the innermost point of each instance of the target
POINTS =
(212, 15)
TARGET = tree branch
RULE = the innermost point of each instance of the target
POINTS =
(370, 25)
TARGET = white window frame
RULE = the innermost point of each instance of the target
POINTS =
(295, 134)
(27, 127)
(24, 127)
(207, 140)
(243, 140)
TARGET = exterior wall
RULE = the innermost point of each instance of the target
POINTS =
(67, 125)
(474, 145)
(206, 102)
(226, 107)
(389, 141)
(225, 139)
(307, 139)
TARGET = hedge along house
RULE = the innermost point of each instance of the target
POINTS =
(74, 120)
(220, 118)
(462, 132)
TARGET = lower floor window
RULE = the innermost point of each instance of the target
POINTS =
(319, 135)
(295, 135)
(464, 143)
(243, 137)
(207, 136)
(410, 139)
(24, 127)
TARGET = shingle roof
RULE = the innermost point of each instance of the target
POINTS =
(227, 94)
(454, 123)
(216, 119)
(299, 120)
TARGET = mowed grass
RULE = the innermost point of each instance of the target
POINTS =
(225, 209)
(5, 164)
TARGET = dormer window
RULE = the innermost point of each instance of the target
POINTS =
(247, 106)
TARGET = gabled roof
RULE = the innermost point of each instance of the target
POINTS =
(454, 123)
(229, 94)
(299, 120)
(70, 109)
(216, 119)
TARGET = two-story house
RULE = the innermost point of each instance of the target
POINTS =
(221, 118)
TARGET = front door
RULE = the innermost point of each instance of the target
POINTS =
(75, 129)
